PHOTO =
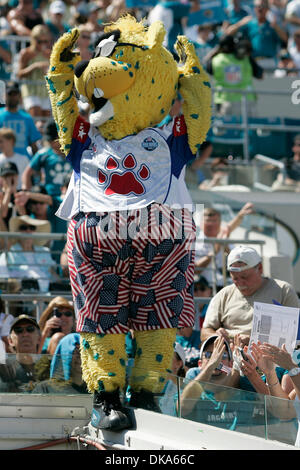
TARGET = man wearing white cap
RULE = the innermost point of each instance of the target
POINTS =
(231, 310)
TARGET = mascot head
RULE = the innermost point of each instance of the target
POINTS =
(131, 82)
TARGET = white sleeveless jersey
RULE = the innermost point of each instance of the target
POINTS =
(130, 173)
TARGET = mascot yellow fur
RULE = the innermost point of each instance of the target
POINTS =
(131, 230)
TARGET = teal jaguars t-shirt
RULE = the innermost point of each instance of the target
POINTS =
(264, 39)
(55, 166)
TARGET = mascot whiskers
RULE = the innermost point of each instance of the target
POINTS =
(131, 231)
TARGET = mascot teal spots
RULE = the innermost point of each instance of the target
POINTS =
(131, 232)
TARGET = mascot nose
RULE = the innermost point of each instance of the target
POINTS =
(105, 75)
(80, 67)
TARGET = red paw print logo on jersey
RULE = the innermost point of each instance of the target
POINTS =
(129, 181)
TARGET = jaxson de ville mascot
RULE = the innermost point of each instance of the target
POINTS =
(127, 202)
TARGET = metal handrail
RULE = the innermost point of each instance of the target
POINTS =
(266, 160)
(245, 125)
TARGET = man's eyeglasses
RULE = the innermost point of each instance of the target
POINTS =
(208, 354)
(20, 329)
(68, 313)
(43, 41)
(26, 227)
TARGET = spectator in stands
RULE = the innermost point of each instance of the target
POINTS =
(9, 181)
(188, 338)
(51, 160)
(220, 173)
(172, 14)
(32, 67)
(212, 227)
(266, 38)
(233, 66)
(167, 403)
(291, 180)
(286, 66)
(8, 154)
(65, 369)
(19, 121)
(215, 368)
(57, 321)
(292, 18)
(28, 258)
(277, 9)
(235, 12)
(24, 17)
(6, 320)
(205, 152)
(230, 312)
(83, 42)
(55, 22)
(92, 24)
(18, 374)
(40, 205)
(5, 60)
(201, 289)
(294, 50)
(205, 41)
(280, 378)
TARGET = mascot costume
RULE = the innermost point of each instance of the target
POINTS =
(131, 231)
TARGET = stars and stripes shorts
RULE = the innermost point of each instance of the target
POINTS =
(132, 269)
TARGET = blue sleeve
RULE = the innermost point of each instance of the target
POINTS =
(35, 162)
(181, 153)
(80, 142)
(33, 133)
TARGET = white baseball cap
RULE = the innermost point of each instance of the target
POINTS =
(211, 339)
(243, 254)
(57, 7)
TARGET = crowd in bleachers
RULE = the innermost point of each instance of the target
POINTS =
(235, 43)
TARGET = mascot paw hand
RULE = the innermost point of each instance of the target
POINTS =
(62, 50)
(187, 55)
(68, 41)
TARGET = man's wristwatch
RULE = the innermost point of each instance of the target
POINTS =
(294, 371)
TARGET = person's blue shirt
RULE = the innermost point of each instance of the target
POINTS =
(179, 10)
(54, 30)
(192, 341)
(233, 16)
(263, 37)
(23, 126)
(55, 166)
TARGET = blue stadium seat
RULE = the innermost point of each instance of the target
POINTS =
(267, 142)
(290, 135)
(226, 141)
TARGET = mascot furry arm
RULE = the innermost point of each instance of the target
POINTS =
(121, 156)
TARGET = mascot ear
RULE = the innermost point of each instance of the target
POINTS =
(156, 34)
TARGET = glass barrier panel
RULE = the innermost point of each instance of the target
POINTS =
(42, 373)
(239, 410)
(282, 420)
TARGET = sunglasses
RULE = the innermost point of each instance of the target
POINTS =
(43, 41)
(208, 354)
(68, 313)
(86, 37)
(20, 329)
(27, 227)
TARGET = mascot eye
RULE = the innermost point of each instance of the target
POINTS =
(106, 46)
(107, 43)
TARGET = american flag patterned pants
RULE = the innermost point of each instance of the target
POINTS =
(132, 269)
